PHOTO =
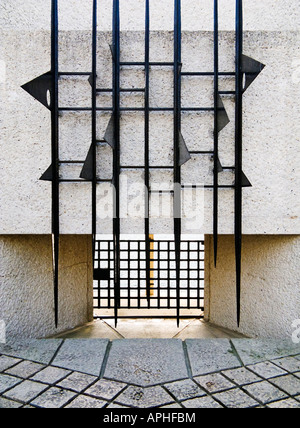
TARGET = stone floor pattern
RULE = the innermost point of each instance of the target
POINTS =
(150, 373)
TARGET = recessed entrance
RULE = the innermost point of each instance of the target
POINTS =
(165, 299)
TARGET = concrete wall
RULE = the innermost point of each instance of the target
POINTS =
(26, 285)
(271, 111)
(270, 285)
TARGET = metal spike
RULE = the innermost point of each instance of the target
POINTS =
(184, 154)
(223, 118)
(251, 68)
(245, 181)
(48, 174)
(40, 88)
(87, 170)
(109, 136)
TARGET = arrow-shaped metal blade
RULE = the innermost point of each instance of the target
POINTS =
(109, 136)
(223, 118)
(87, 170)
(40, 89)
(245, 181)
(184, 154)
(48, 174)
(220, 168)
(252, 69)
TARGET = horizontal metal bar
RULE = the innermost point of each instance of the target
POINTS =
(121, 90)
(82, 181)
(198, 152)
(142, 64)
(71, 162)
(74, 74)
(137, 109)
(227, 92)
(207, 73)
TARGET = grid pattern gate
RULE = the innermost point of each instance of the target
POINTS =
(133, 283)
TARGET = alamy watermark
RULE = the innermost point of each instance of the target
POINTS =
(2, 331)
(296, 332)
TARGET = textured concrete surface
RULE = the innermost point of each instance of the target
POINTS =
(82, 355)
(270, 299)
(270, 136)
(26, 285)
(146, 362)
(248, 386)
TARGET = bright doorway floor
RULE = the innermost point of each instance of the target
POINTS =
(150, 329)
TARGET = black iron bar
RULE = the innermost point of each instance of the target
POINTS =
(216, 131)
(55, 152)
(207, 73)
(116, 155)
(238, 152)
(94, 128)
(137, 109)
(177, 131)
(147, 158)
(121, 90)
(142, 64)
(62, 74)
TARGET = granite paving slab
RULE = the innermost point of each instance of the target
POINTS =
(106, 389)
(54, 398)
(82, 355)
(285, 404)
(145, 398)
(7, 382)
(25, 391)
(184, 389)
(236, 399)
(9, 404)
(25, 369)
(50, 375)
(7, 362)
(289, 384)
(84, 402)
(267, 370)
(241, 376)
(289, 363)
(202, 403)
(146, 362)
(208, 356)
(214, 383)
(39, 351)
(77, 382)
(253, 351)
(265, 392)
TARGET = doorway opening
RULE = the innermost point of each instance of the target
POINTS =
(165, 297)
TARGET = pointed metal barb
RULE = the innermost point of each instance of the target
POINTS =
(245, 181)
(48, 174)
(251, 68)
(223, 118)
(91, 80)
(87, 170)
(184, 154)
(109, 136)
(220, 167)
(41, 89)
(112, 51)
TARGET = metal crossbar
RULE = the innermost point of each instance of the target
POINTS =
(247, 69)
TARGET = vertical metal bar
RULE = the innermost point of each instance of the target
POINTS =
(216, 131)
(238, 151)
(116, 160)
(55, 151)
(177, 129)
(147, 170)
(94, 128)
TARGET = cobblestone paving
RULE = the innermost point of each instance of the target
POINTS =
(168, 374)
